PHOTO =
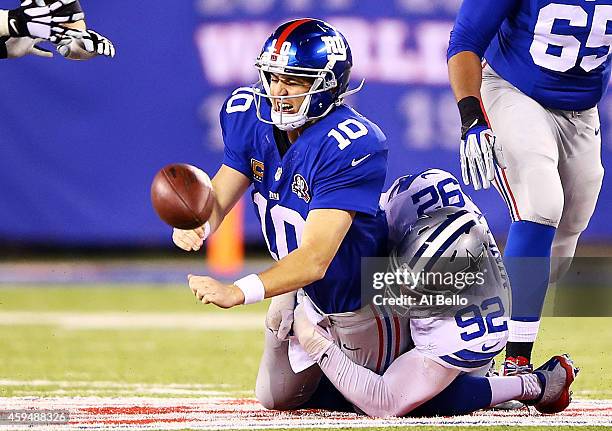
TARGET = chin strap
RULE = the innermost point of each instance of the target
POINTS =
(350, 92)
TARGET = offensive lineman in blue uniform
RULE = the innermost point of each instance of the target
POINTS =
(547, 66)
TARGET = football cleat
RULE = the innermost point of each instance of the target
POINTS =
(556, 377)
(514, 366)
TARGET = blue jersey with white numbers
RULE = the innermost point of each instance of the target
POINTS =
(339, 162)
(555, 51)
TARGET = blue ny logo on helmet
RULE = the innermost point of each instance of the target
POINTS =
(305, 48)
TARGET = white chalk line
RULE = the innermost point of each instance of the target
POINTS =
(89, 413)
(106, 388)
(111, 384)
(110, 388)
(117, 320)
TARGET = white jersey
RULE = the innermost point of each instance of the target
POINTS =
(477, 333)
(421, 194)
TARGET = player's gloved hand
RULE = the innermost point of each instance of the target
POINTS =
(314, 339)
(279, 318)
(15, 47)
(190, 240)
(479, 151)
(83, 45)
(32, 19)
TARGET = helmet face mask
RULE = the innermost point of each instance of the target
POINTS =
(306, 48)
(320, 83)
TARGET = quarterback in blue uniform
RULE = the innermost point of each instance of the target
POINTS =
(317, 168)
(546, 66)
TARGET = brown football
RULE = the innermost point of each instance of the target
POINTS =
(182, 196)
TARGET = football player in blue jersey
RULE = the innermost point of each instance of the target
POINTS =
(317, 169)
(546, 66)
(58, 21)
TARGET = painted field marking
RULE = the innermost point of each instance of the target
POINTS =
(117, 320)
(24, 388)
(69, 387)
(91, 413)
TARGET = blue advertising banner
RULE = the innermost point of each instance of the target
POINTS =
(81, 141)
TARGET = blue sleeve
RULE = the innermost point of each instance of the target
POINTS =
(342, 184)
(237, 129)
(476, 24)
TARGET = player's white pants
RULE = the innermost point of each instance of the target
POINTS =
(369, 337)
(277, 386)
(554, 172)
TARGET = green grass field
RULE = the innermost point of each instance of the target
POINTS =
(66, 359)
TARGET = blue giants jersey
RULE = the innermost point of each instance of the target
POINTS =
(339, 162)
(555, 51)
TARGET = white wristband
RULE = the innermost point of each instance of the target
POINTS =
(206, 230)
(252, 287)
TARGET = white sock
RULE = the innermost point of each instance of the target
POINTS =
(505, 389)
(523, 332)
(522, 387)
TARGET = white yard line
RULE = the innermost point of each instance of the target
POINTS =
(133, 413)
(117, 320)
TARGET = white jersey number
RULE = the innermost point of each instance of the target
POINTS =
(281, 217)
(240, 101)
(353, 129)
(544, 38)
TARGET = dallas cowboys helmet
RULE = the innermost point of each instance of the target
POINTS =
(443, 246)
(306, 48)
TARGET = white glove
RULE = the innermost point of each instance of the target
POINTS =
(190, 240)
(21, 46)
(314, 339)
(83, 45)
(479, 153)
(279, 318)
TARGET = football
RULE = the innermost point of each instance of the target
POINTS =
(182, 196)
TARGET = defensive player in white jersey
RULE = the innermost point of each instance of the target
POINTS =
(431, 379)
(58, 21)
(546, 66)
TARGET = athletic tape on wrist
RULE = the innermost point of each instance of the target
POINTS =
(252, 287)
(206, 230)
(472, 114)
